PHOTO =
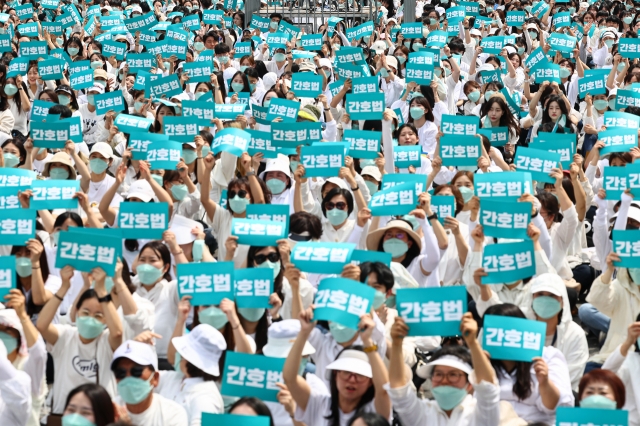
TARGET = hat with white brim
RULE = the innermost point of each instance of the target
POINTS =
(453, 361)
(350, 360)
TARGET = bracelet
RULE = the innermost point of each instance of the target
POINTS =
(236, 327)
(33, 267)
(327, 109)
(105, 299)
(536, 214)
(356, 188)
(433, 216)
(175, 254)
(58, 297)
(370, 349)
(199, 158)
(251, 173)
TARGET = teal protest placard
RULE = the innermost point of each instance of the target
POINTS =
(444, 206)
(460, 125)
(306, 85)
(594, 85)
(550, 72)
(130, 123)
(169, 86)
(54, 194)
(321, 258)
(24, 11)
(437, 39)
(562, 42)
(322, 160)
(79, 66)
(576, 416)
(618, 140)
(110, 101)
(17, 226)
(505, 220)
(508, 262)
(365, 106)
(411, 30)
(536, 59)
(229, 111)
(290, 135)
(353, 71)
(396, 200)
(433, 311)
(114, 48)
(234, 141)
(626, 244)
(269, 212)
(86, 250)
(621, 119)
(206, 283)
(459, 150)
(213, 17)
(261, 142)
(614, 182)
(509, 185)
(419, 182)
(489, 76)
(277, 40)
(141, 62)
(28, 30)
(139, 143)
(17, 66)
(143, 220)
(347, 55)
(50, 69)
(625, 98)
(562, 19)
(498, 136)
(164, 155)
(422, 57)
(181, 129)
(198, 71)
(538, 162)
(471, 8)
(81, 79)
(492, 45)
(419, 73)
(252, 375)
(407, 156)
(311, 41)
(205, 111)
(40, 110)
(629, 48)
(209, 419)
(176, 47)
(243, 49)
(141, 22)
(34, 49)
(9, 198)
(539, 9)
(455, 15)
(361, 256)
(343, 301)
(192, 22)
(7, 275)
(363, 144)
(261, 233)
(513, 339)
(301, 54)
(253, 287)
(17, 179)
(283, 108)
(515, 19)
(49, 135)
(54, 28)
(561, 143)
(362, 30)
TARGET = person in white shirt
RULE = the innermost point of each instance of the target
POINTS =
(15, 392)
(356, 377)
(464, 384)
(88, 404)
(193, 385)
(135, 367)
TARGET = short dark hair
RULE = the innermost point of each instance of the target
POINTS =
(370, 419)
(256, 405)
(221, 48)
(385, 276)
(338, 191)
(303, 221)
(101, 404)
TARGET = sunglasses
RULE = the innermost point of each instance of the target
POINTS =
(399, 235)
(340, 205)
(121, 373)
(232, 194)
(296, 237)
(273, 257)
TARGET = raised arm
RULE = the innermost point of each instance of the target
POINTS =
(380, 376)
(298, 386)
(205, 186)
(158, 190)
(108, 213)
(45, 319)
(110, 314)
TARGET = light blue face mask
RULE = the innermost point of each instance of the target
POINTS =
(237, 87)
(97, 165)
(205, 150)
(189, 155)
(179, 191)
(134, 390)
(274, 266)
(391, 301)
(395, 247)
(10, 160)
(148, 274)
(598, 401)
(73, 51)
(634, 273)
(467, 193)
(293, 165)
(214, 317)
(252, 87)
(546, 307)
(412, 220)
(384, 73)
(488, 94)
(565, 72)
(197, 250)
(276, 186)
(336, 216)
(621, 66)
(198, 95)
(89, 327)
(243, 67)
(340, 333)
(252, 314)
(199, 46)
(608, 43)
(448, 397)
(58, 173)
(378, 299)
(279, 57)
(23, 267)
(76, 419)
(600, 104)
(10, 342)
(238, 205)
(372, 187)
(416, 112)
(64, 100)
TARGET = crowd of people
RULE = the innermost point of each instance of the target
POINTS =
(123, 341)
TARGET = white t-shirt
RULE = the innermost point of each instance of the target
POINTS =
(164, 296)
(98, 189)
(19, 116)
(194, 394)
(77, 364)
(162, 412)
(319, 406)
(221, 226)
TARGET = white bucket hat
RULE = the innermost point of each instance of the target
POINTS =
(203, 348)
(281, 336)
(352, 361)
(425, 370)
(279, 164)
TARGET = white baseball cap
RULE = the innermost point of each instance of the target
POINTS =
(281, 336)
(138, 352)
(96, 88)
(141, 189)
(203, 348)
(350, 360)
(548, 282)
(372, 171)
(424, 371)
(103, 149)
(379, 47)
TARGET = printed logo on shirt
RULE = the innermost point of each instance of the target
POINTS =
(87, 368)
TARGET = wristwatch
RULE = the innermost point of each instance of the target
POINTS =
(433, 216)
(370, 349)
(105, 299)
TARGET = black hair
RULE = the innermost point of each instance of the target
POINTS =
(194, 371)
(523, 383)
(385, 276)
(30, 306)
(88, 294)
(369, 419)
(62, 110)
(256, 405)
(245, 81)
(303, 221)
(62, 218)
(335, 192)
(18, 143)
(163, 251)
(221, 49)
(277, 283)
(101, 405)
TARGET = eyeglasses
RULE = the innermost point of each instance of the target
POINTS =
(232, 194)
(121, 373)
(346, 375)
(453, 377)
(273, 257)
(399, 235)
(329, 205)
